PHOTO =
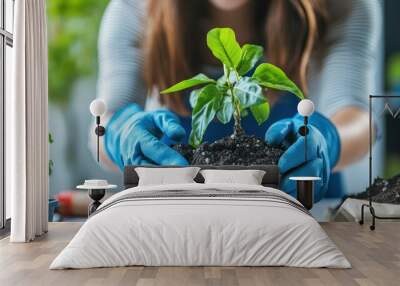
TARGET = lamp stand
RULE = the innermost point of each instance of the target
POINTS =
(305, 193)
(303, 130)
(305, 190)
(96, 195)
(100, 131)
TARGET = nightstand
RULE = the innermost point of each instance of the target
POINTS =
(96, 191)
(305, 190)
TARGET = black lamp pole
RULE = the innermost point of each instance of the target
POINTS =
(98, 107)
(303, 130)
(100, 131)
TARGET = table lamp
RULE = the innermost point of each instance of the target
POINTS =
(98, 107)
(305, 184)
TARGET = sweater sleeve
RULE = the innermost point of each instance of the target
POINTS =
(349, 70)
(120, 79)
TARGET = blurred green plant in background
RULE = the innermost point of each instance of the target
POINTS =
(393, 71)
(392, 165)
(73, 27)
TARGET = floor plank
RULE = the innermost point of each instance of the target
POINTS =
(375, 257)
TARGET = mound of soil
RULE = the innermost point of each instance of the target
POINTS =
(232, 150)
(383, 191)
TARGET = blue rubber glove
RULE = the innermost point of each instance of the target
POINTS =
(133, 137)
(323, 150)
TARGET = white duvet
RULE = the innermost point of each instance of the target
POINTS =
(188, 231)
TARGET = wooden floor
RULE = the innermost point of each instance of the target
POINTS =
(375, 257)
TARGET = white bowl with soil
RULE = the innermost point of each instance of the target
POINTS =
(385, 196)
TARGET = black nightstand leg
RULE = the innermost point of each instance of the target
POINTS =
(305, 193)
(96, 195)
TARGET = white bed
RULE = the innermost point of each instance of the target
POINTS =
(249, 226)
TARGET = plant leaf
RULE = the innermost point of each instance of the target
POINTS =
(194, 95)
(271, 76)
(251, 54)
(51, 140)
(244, 113)
(187, 83)
(260, 112)
(225, 111)
(222, 85)
(51, 166)
(221, 81)
(249, 92)
(204, 112)
(223, 45)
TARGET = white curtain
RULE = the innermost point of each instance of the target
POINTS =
(27, 127)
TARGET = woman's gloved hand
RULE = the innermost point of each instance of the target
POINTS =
(323, 150)
(133, 137)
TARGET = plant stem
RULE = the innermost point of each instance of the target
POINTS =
(238, 130)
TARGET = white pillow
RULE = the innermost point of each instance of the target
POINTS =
(248, 177)
(166, 176)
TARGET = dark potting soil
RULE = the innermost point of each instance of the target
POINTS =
(383, 191)
(232, 150)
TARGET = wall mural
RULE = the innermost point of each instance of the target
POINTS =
(130, 92)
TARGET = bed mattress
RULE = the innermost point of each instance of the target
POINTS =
(201, 225)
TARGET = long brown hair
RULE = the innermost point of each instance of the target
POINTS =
(289, 30)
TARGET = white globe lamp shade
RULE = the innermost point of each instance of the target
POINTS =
(305, 107)
(98, 107)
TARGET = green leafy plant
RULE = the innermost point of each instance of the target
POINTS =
(235, 93)
(73, 28)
